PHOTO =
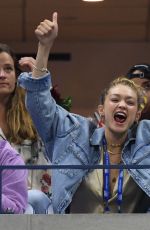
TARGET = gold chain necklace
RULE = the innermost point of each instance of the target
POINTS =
(115, 145)
(113, 153)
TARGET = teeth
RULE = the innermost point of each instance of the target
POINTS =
(120, 114)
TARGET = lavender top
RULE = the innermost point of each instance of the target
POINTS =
(14, 182)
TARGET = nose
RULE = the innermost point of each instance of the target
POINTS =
(122, 104)
(2, 73)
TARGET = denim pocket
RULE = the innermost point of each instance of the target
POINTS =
(72, 156)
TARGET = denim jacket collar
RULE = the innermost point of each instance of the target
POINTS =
(134, 133)
(97, 136)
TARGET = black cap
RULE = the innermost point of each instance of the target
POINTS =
(144, 71)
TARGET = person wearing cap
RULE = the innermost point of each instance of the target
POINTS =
(140, 74)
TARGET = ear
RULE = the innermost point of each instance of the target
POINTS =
(101, 110)
(138, 115)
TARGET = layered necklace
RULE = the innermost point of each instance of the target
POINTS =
(107, 178)
(114, 147)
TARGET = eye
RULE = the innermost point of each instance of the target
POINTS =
(131, 103)
(115, 100)
(8, 69)
(146, 86)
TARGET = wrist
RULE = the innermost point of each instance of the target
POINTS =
(42, 70)
(45, 47)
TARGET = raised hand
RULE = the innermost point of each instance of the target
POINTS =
(27, 64)
(47, 31)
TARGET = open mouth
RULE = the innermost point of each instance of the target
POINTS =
(120, 117)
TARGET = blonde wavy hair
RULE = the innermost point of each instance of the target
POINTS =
(122, 80)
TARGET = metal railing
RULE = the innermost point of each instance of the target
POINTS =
(53, 167)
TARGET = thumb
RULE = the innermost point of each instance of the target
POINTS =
(54, 18)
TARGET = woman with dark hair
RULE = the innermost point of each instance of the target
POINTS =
(17, 127)
(15, 121)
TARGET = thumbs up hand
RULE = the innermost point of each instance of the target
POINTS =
(47, 30)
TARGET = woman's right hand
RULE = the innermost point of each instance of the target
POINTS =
(47, 31)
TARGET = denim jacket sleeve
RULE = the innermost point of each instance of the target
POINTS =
(47, 116)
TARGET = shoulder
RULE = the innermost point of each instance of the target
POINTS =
(8, 155)
(143, 132)
(72, 122)
(144, 125)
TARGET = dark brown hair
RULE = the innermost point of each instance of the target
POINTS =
(19, 123)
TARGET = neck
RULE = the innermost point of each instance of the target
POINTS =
(114, 140)
(4, 99)
(2, 109)
(3, 122)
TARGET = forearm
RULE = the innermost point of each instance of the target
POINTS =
(41, 60)
(46, 32)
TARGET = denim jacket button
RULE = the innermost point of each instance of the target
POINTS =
(56, 162)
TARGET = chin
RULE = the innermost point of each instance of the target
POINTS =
(119, 130)
(123, 127)
(4, 92)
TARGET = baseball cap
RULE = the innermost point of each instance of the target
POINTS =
(144, 71)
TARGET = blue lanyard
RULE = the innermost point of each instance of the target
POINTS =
(107, 182)
(119, 193)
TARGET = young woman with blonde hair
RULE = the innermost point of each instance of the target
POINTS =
(71, 139)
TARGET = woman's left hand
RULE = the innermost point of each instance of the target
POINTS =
(27, 64)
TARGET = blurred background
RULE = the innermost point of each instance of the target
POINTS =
(96, 43)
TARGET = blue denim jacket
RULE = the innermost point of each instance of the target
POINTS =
(73, 139)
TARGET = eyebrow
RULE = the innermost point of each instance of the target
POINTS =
(118, 95)
(7, 63)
